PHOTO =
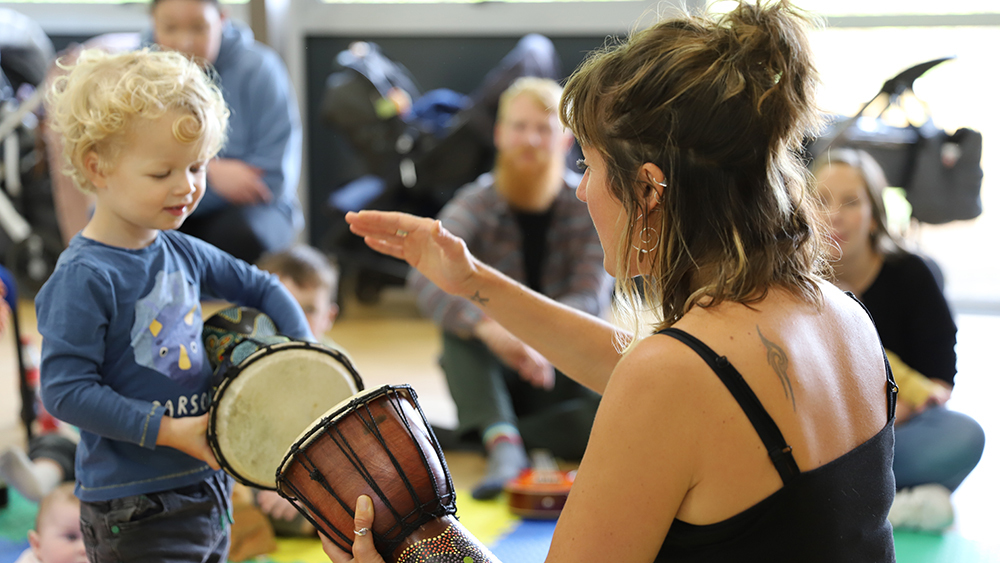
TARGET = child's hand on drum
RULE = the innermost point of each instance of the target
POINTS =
(423, 243)
(272, 504)
(364, 546)
(187, 435)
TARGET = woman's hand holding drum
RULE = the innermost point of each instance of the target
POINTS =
(364, 545)
(423, 243)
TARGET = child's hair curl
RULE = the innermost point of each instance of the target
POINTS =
(95, 105)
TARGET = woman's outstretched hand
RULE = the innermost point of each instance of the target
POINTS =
(423, 243)
(364, 546)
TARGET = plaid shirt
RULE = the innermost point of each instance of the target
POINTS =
(573, 270)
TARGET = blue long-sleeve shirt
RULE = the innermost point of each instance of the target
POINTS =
(121, 348)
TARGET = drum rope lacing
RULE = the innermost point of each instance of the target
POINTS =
(390, 539)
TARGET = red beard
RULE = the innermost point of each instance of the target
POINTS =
(528, 177)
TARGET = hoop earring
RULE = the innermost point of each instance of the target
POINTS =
(646, 235)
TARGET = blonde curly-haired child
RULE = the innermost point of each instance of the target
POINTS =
(121, 317)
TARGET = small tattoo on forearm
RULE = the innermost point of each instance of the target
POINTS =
(778, 360)
(479, 298)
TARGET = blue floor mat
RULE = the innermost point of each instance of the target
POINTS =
(528, 542)
(10, 550)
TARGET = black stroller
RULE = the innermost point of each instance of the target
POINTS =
(939, 171)
(30, 241)
(29, 235)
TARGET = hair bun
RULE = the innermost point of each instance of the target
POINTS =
(767, 43)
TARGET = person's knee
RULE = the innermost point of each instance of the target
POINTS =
(968, 441)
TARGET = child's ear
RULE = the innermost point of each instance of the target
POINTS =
(92, 169)
(334, 311)
(34, 541)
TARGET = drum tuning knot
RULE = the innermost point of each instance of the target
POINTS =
(317, 475)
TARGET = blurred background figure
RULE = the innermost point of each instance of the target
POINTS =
(525, 220)
(935, 448)
(57, 537)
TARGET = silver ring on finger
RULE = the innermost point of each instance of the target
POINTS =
(361, 532)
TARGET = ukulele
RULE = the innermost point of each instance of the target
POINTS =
(540, 491)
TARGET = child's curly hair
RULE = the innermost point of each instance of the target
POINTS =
(94, 106)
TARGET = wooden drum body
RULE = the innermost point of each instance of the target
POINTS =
(378, 443)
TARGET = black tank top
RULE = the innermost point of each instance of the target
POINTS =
(833, 513)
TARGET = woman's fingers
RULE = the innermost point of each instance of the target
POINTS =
(384, 224)
(331, 550)
(386, 232)
(395, 250)
(364, 545)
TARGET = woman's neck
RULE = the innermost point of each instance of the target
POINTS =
(858, 273)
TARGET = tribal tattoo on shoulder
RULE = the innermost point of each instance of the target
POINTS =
(778, 360)
(476, 298)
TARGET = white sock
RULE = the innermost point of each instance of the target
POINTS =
(925, 508)
(33, 480)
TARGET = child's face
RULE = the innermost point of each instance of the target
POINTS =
(193, 27)
(315, 302)
(58, 539)
(157, 183)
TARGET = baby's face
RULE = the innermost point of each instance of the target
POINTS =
(59, 539)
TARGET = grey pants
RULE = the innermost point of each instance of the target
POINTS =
(487, 392)
(188, 524)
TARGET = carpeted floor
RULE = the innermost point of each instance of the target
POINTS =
(511, 540)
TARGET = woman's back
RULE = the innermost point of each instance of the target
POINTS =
(819, 374)
(690, 467)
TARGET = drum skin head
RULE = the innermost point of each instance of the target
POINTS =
(266, 402)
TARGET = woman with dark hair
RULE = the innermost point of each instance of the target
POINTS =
(755, 423)
(936, 448)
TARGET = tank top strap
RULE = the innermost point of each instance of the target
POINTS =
(777, 448)
(891, 389)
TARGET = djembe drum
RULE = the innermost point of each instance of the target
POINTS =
(378, 443)
(268, 389)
